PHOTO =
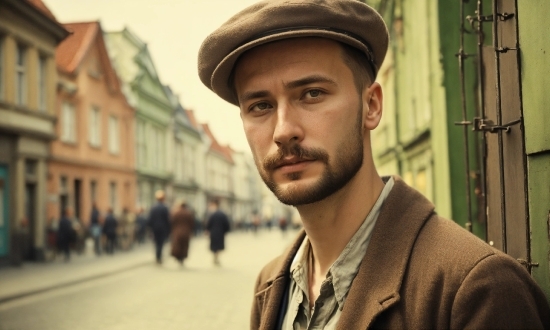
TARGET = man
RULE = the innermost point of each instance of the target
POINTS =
(95, 228)
(66, 234)
(110, 228)
(141, 225)
(182, 223)
(373, 253)
(217, 226)
(159, 221)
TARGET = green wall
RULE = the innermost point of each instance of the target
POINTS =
(534, 29)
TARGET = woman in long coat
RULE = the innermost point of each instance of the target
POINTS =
(182, 223)
(217, 226)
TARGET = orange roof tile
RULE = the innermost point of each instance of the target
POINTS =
(192, 118)
(71, 51)
(216, 146)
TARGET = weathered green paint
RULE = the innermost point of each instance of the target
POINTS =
(534, 32)
(534, 28)
(449, 30)
(539, 213)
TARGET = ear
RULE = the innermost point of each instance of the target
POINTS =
(372, 103)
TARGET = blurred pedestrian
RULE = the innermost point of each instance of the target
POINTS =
(66, 235)
(183, 221)
(110, 231)
(141, 225)
(283, 224)
(95, 228)
(217, 227)
(160, 223)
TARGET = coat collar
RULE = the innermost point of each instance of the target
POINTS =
(382, 270)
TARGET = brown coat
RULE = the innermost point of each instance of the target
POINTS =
(182, 223)
(421, 272)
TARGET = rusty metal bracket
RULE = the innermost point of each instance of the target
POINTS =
(504, 49)
(528, 264)
(505, 16)
(487, 125)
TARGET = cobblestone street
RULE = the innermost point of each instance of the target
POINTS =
(148, 296)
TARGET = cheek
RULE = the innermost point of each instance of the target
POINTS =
(258, 137)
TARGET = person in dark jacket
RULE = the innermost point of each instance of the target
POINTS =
(141, 226)
(95, 228)
(217, 227)
(110, 231)
(159, 221)
(66, 234)
(183, 221)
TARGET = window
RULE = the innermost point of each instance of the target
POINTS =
(95, 127)
(21, 75)
(1, 69)
(68, 122)
(113, 195)
(42, 81)
(114, 139)
(93, 191)
(141, 145)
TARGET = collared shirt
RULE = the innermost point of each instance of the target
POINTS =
(329, 305)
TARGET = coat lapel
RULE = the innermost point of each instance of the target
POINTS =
(377, 284)
(270, 298)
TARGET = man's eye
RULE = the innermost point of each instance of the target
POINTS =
(258, 107)
(314, 93)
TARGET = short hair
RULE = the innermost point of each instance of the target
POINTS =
(357, 62)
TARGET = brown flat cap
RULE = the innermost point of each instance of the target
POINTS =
(348, 21)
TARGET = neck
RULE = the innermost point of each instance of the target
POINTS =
(332, 222)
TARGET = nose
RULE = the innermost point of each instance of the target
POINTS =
(288, 128)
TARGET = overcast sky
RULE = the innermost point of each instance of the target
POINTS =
(173, 31)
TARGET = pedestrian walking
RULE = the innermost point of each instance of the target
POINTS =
(373, 253)
(182, 224)
(66, 234)
(110, 231)
(95, 228)
(217, 226)
(141, 226)
(159, 221)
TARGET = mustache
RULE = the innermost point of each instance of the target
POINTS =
(270, 162)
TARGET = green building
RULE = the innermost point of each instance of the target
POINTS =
(465, 117)
(154, 112)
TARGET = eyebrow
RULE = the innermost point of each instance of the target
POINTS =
(309, 80)
(290, 85)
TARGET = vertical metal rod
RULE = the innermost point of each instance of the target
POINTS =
(499, 122)
(461, 58)
(482, 150)
(526, 183)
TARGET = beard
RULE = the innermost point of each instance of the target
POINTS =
(337, 173)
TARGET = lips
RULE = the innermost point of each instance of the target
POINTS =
(293, 164)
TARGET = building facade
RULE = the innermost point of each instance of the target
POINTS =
(93, 159)
(29, 34)
(186, 153)
(154, 112)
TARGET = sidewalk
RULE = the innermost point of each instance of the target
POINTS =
(31, 278)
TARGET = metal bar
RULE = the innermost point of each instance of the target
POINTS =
(482, 151)
(530, 262)
(499, 122)
(461, 58)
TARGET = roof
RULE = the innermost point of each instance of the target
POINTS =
(38, 4)
(71, 52)
(215, 146)
(192, 119)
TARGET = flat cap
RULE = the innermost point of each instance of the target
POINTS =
(348, 21)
